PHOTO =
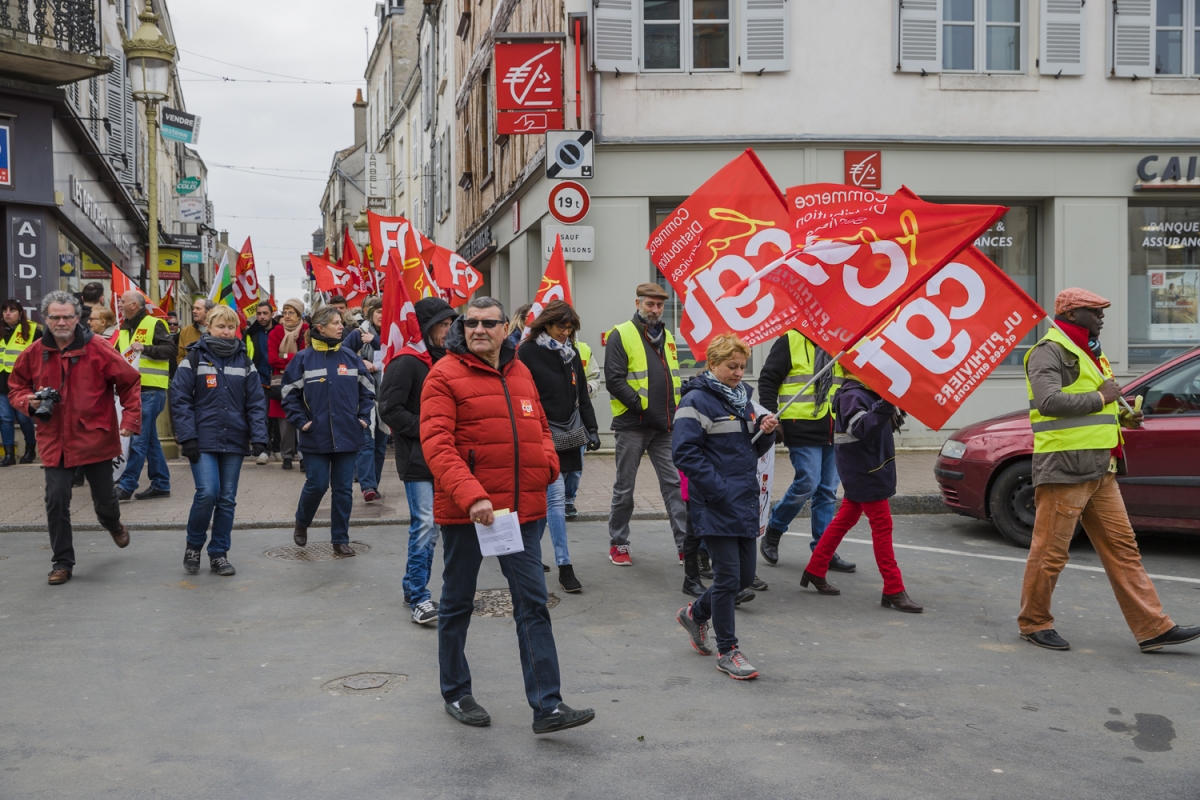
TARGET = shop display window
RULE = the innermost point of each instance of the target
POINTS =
(1012, 244)
(1164, 283)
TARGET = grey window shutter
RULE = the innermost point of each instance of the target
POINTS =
(614, 28)
(115, 110)
(920, 40)
(1062, 37)
(766, 36)
(1133, 38)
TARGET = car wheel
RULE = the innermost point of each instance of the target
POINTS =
(1011, 503)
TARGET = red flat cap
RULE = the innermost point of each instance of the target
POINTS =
(1072, 298)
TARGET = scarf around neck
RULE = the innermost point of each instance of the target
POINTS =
(221, 348)
(564, 349)
(653, 332)
(737, 396)
(1083, 339)
(323, 343)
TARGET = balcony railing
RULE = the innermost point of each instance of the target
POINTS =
(68, 25)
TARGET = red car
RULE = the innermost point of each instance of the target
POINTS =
(985, 469)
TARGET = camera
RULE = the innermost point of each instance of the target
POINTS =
(48, 398)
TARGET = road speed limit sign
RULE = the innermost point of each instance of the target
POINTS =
(569, 202)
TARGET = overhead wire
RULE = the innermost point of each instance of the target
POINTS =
(262, 71)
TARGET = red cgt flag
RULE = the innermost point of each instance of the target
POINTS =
(733, 225)
(554, 284)
(245, 283)
(401, 330)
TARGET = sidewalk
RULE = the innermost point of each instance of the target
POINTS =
(267, 495)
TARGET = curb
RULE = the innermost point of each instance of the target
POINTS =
(902, 504)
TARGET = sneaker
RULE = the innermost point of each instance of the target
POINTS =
(564, 717)
(221, 566)
(567, 579)
(697, 631)
(571, 512)
(122, 494)
(681, 558)
(759, 584)
(744, 596)
(151, 493)
(370, 496)
(191, 561)
(262, 459)
(619, 555)
(735, 665)
(425, 613)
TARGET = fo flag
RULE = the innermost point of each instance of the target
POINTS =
(732, 226)
(331, 278)
(554, 284)
(457, 279)
(402, 331)
(387, 236)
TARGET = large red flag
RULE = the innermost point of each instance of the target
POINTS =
(120, 285)
(387, 235)
(330, 277)
(245, 283)
(733, 225)
(554, 285)
(356, 290)
(457, 279)
(401, 330)
(167, 301)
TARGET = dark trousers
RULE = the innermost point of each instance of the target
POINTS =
(321, 471)
(733, 570)
(58, 506)
(273, 435)
(535, 639)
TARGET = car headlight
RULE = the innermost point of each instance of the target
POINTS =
(954, 449)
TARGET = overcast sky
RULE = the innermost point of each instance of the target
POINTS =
(281, 135)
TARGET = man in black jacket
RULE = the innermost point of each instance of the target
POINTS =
(259, 332)
(399, 405)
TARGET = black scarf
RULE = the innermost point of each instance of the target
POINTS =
(221, 348)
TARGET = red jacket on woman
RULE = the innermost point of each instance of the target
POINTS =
(280, 363)
(83, 427)
(484, 435)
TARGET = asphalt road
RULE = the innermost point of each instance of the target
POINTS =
(135, 680)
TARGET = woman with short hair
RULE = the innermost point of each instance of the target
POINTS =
(328, 397)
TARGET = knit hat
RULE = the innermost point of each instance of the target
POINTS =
(1070, 299)
(430, 311)
(296, 304)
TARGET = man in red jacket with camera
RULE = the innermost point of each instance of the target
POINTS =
(487, 443)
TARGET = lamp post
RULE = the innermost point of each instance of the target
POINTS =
(361, 229)
(148, 58)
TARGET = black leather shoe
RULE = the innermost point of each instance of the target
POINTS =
(151, 493)
(300, 535)
(839, 564)
(563, 718)
(901, 602)
(769, 546)
(822, 586)
(344, 550)
(1048, 639)
(693, 586)
(1176, 635)
(469, 713)
(29, 455)
(744, 596)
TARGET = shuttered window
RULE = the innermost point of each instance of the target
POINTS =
(1063, 36)
(980, 36)
(1155, 38)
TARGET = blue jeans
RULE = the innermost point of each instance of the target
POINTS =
(216, 476)
(733, 570)
(368, 467)
(816, 477)
(535, 639)
(571, 480)
(9, 419)
(422, 538)
(145, 447)
(321, 470)
(556, 518)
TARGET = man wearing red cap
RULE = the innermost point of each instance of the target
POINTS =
(1073, 406)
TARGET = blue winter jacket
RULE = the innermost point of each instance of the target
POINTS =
(332, 390)
(218, 401)
(862, 443)
(710, 444)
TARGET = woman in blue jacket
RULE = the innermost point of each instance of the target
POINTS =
(328, 396)
(711, 444)
(218, 407)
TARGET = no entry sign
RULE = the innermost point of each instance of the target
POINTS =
(569, 202)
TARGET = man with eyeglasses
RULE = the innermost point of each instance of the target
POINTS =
(81, 429)
(486, 441)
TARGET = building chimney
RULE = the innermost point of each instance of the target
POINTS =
(224, 236)
(360, 120)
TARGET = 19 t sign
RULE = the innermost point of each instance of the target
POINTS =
(569, 202)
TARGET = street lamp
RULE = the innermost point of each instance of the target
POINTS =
(148, 58)
(361, 228)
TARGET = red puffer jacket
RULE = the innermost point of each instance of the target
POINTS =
(471, 414)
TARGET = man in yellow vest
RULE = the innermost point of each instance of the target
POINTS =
(808, 433)
(1077, 454)
(148, 336)
(641, 373)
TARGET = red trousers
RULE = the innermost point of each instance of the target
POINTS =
(879, 513)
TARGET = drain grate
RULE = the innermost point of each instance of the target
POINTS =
(364, 684)
(315, 551)
(498, 603)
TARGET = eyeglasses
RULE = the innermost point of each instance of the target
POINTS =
(62, 319)
(471, 324)
(563, 328)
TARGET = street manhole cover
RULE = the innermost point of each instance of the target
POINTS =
(315, 551)
(498, 603)
(364, 684)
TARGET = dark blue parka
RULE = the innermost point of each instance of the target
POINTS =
(710, 444)
(863, 444)
(332, 389)
(218, 401)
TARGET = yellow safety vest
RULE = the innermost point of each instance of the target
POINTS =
(803, 355)
(155, 372)
(16, 345)
(249, 340)
(585, 354)
(637, 368)
(1098, 431)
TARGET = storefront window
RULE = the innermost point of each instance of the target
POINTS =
(1164, 282)
(70, 264)
(1012, 244)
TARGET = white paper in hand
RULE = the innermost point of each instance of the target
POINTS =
(500, 538)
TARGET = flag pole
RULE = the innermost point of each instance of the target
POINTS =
(1120, 398)
(803, 389)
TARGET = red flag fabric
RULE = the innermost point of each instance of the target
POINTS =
(120, 285)
(554, 284)
(167, 301)
(863, 252)
(387, 234)
(245, 283)
(401, 331)
(457, 279)
(330, 277)
(414, 272)
(733, 225)
(356, 290)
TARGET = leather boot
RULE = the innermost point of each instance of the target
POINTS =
(300, 535)
(9, 456)
(705, 564)
(769, 547)
(691, 575)
(901, 602)
(822, 586)
(30, 453)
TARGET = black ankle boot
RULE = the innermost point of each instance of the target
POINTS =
(705, 565)
(691, 575)
(30, 453)
(769, 547)
(9, 456)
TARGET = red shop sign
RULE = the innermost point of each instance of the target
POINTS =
(529, 77)
(864, 169)
(520, 122)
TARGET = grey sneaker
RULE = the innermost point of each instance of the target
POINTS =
(191, 561)
(735, 665)
(221, 566)
(424, 613)
(697, 631)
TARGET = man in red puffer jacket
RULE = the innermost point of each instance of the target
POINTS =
(486, 441)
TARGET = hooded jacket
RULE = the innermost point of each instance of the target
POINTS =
(484, 434)
(261, 337)
(862, 443)
(83, 428)
(400, 393)
(711, 446)
(331, 389)
(218, 401)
